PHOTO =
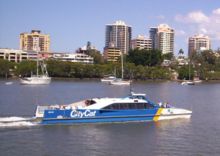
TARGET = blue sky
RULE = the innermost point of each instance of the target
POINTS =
(71, 23)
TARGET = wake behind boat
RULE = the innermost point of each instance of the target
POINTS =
(133, 108)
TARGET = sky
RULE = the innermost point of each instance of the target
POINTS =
(72, 23)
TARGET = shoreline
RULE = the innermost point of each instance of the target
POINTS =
(98, 79)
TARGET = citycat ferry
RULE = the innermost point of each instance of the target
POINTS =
(133, 108)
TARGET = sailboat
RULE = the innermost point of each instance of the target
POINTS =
(109, 78)
(188, 82)
(37, 79)
(121, 81)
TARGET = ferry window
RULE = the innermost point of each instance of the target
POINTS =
(115, 106)
(108, 107)
(89, 102)
(141, 97)
(123, 106)
(132, 105)
(148, 106)
(137, 97)
(140, 105)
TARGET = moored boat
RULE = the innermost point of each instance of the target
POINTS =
(38, 79)
(120, 82)
(133, 108)
(35, 80)
(188, 83)
(108, 79)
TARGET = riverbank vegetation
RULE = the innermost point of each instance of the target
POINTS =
(204, 65)
(62, 69)
(138, 64)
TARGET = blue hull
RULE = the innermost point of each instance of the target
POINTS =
(97, 116)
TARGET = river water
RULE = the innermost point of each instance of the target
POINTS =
(198, 136)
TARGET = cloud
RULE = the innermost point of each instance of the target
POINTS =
(203, 31)
(216, 11)
(180, 32)
(192, 17)
(198, 22)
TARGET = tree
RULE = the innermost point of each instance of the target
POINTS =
(168, 56)
(145, 57)
(208, 57)
(5, 66)
(98, 59)
(26, 68)
(181, 52)
(185, 73)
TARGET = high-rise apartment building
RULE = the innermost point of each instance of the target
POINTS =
(35, 41)
(141, 42)
(112, 54)
(198, 43)
(118, 35)
(162, 38)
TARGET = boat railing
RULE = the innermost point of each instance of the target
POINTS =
(79, 104)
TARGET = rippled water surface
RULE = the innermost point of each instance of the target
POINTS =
(199, 135)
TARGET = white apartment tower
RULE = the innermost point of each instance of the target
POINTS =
(198, 43)
(141, 42)
(162, 38)
(118, 35)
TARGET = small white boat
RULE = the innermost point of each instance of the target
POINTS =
(197, 80)
(38, 79)
(108, 79)
(8, 83)
(120, 82)
(187, 83)
(35, 80)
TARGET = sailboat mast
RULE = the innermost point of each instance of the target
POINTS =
(37, 61)
(189, 69)
(122, 66)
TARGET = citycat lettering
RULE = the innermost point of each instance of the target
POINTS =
(81, 114)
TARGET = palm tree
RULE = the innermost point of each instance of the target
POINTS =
(181, 52)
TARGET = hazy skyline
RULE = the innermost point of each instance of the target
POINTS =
(71, 23)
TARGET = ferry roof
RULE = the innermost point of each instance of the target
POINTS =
(103, 102)
(137, 94)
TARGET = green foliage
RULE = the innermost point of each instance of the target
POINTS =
(168, 56)
(5, 67)
(212, 75)
(98, 59)
(26, 68)
(58, 68)
(181, 52)
(186, 73)
(209, 57)
(145, 57)
(205, 62)
(77, 70)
